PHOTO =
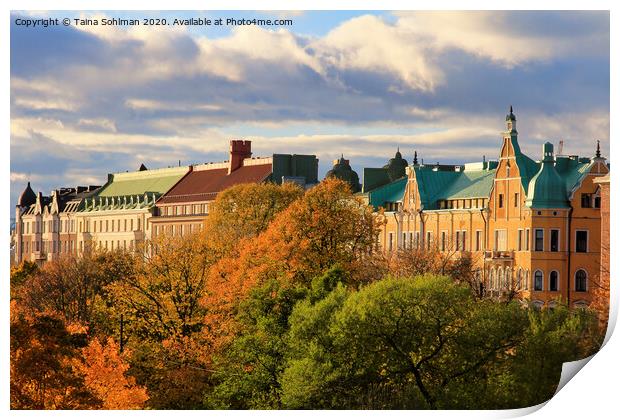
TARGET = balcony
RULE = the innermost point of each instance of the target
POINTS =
(499, 255)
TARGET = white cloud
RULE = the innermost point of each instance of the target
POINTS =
(495, 34)
(369, 43)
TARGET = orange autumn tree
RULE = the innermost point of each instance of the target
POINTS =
(43, 351)
(104, 372)
(328, 225)
(244, 211)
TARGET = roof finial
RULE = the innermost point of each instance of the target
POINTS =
(598, 148)
(511, 109)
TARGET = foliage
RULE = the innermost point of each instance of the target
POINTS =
(75, 287)
(19, 274)
(423, 342)
(104, 376)
(244, 211)
(281, 302)
(162, 300)
(43, 351)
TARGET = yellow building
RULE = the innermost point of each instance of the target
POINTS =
(531, 227)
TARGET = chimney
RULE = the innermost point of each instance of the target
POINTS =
(239, 150)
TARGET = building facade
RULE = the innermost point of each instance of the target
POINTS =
(133, 207)
(531, 227)
(45, 226)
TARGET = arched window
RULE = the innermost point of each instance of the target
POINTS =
(527, 279)
(581, 281)
(519, 279)
(553, 281)
(492, 279)
(500, 278)
(509, 278)
(538, 280)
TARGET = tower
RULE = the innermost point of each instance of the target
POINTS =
(511, 122)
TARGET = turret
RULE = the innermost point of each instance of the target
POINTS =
(547, 189)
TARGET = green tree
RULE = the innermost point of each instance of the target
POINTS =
(421, 339)
(249, 369)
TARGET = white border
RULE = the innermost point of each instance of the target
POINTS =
(593, 393)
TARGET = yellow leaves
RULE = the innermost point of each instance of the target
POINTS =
(104, 375)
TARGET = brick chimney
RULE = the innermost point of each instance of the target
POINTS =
(239, 150)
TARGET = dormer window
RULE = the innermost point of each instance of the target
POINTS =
(586, 201)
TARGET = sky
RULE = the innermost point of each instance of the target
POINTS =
(91, 100)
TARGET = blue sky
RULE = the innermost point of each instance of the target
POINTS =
(86, 101)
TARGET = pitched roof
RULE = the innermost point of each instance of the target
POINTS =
(203, 185)
(388, 193)
(134, 183)
(449, 183)
(469, 184)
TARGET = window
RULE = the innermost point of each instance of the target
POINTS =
(443, 241)
(581, 281)
(581, 242)
(527, 239)
(458, 240)
(404, 244)
(553, 281)
(501, 280)
(520, 240)
(501, 200)
(539, 239)
(519, 278)
(586, 201)
(516, 200)
(500, 240)
(428, 240)
(538, 280)
(555, 240)
(478, 240)
(597, 202)
(390, 240)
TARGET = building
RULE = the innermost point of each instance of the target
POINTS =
(185, 206)
(45, 226)
(530, 227)
(604, 278)
(118, 215)
(342, 170)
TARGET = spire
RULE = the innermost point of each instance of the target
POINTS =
(511, 109)
(415, 157)
(598, 148)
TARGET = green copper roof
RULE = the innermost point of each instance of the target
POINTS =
(527, 167)
(547, 189)
(448, 184)
(133, 183)
(469, 184)
(431, 184)
(388, 193)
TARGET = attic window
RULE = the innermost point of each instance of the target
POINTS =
(586, 201)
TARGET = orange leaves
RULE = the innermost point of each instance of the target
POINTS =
(326, 226)
(104, 375)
